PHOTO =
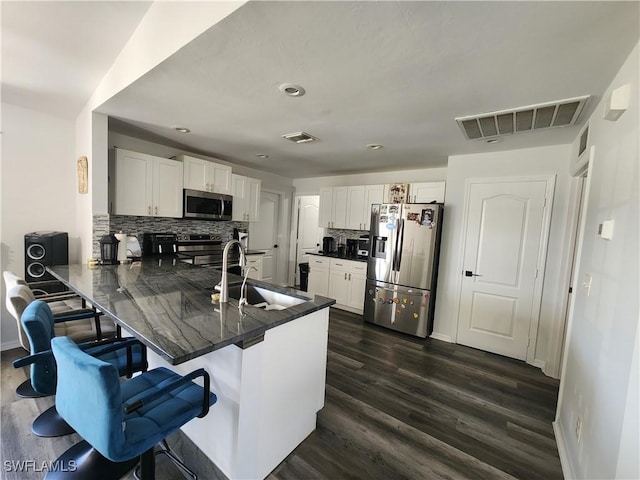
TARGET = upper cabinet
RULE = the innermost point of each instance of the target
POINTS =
(333, 207)
(359, 201)
(348, 207)
(146, 185)
(206, 176)
(246, 198)
(426, 192)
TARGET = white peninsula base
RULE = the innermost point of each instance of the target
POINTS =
(268, 396)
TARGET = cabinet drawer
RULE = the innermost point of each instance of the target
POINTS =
(321, 262)
(358, 267)
(340, 265)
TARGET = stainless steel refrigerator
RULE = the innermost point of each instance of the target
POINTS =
(402, 267)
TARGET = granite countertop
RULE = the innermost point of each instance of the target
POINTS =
(167, 305)
(355, 258)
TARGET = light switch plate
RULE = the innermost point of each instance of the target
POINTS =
(605, 229)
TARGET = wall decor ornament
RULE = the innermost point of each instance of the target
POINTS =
(398, 192)
(82, 167)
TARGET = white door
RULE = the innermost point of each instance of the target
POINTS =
(309, 234)
(505, 229)
(264, 236)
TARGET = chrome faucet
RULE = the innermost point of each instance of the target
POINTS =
(223, 286)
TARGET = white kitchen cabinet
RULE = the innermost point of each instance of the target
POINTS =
(347, 283)
(333, 207)
(426, 192)
(254, 261)
(206, 176)
(246, 198)
(146, 185)
(318, 281)
(359, 201)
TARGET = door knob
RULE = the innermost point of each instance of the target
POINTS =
(469, 273)
(275, 246)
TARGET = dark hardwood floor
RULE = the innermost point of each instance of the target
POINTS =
(395, 407)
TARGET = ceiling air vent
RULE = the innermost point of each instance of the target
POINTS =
(561, 113)
(299, 137)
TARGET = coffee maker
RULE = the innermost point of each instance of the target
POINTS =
(328, 245)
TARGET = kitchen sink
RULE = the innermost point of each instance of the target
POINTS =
(264, 298)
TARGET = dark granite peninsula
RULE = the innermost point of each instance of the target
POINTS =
(267, 367)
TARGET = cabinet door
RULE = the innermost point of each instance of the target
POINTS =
(427, 192)
(339, 207)
(355, 207)
(357, 287)
(167, 188)
(339, 286)
(133, 183)
(318, 282)
(372, 194)
(254, 261)
(220, 178)
(196, 173)
(239, 192)
(253, 201)
(325, 211)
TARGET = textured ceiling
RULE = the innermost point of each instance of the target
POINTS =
(391, 73)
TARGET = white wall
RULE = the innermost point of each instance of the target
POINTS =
(38, 189)
(312, 186)
(553, 160)
(600, 379)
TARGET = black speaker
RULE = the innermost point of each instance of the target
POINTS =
(42, 249)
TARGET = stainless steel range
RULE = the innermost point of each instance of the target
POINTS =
(193, 248)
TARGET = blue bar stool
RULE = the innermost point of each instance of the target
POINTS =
(120, 423)
(128, 356)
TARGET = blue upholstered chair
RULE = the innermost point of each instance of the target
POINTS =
(38, 323)
(122, 422)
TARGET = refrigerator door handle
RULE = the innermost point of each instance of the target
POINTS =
(397, 253)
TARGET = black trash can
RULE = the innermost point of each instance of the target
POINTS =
(304, 276)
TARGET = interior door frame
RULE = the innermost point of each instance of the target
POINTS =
(550, 181)
(280, 260)
(293, 241)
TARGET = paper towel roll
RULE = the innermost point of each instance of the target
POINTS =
(122, 246)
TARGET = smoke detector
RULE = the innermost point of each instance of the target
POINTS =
(561, 113)
(300, 137)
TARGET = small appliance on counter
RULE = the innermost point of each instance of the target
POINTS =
(328, 245)
(352, 247)
(363, 246)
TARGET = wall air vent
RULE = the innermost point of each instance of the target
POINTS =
(299, 137)
(561, 113)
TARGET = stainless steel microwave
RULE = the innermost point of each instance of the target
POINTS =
(207, 205)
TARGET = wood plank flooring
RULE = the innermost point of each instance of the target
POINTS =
(395, 407)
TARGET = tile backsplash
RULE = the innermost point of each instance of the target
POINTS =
(132, 225)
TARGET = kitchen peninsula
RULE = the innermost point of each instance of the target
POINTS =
(267, 367)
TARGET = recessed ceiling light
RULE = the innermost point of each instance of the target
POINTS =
(375, 146)
(262, 155)
(182, 129)
(291, 89)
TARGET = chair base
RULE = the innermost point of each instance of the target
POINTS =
(175, 460)
(25, 390)
(50, 424)
(83, 462)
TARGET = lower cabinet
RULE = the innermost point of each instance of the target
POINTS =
(343, 280)
(318, 282)
(254, 261)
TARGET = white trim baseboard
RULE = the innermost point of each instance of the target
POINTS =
(539, 363)
(565, 462)
(440, 336)
(10, 345)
